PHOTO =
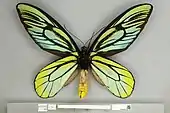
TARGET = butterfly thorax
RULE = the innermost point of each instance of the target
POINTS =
(84, 58)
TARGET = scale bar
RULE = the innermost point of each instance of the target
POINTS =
(99, 107)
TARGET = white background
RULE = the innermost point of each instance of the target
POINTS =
(147, 58)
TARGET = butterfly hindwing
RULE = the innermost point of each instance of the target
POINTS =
(122, 31)
(52, 78)
(47, 33)
(117, 79)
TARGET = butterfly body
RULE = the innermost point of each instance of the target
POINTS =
(116, 37)
(84, 63)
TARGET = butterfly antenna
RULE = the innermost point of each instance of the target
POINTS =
(90, 40)
(94, 34)
(74, 35)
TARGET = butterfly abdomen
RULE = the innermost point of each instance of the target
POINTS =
(83, 84)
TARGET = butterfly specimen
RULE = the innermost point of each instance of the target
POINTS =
(52, 37)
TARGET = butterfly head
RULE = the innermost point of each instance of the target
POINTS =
(84, 49)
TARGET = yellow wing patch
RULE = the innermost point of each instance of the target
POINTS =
(144, 10)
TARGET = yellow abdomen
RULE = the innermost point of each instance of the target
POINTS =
(83, 84)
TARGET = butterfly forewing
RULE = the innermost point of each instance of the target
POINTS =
(47, 33)
(122, 31)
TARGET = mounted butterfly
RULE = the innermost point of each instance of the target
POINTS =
(50, 36)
